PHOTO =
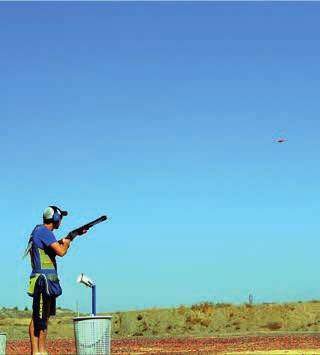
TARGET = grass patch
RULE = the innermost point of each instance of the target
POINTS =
(201, 319)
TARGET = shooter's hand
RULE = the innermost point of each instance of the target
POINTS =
(72, 235)
(75, 233)
(65, 241)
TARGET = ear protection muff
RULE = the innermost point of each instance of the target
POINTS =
(56, 215)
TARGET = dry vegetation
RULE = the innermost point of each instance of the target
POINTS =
(203, 319)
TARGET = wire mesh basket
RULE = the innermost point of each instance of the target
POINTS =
(3, 343)
(93, 335)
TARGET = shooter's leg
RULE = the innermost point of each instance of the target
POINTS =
(33, 339)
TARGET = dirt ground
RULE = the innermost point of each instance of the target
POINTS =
(186, 345)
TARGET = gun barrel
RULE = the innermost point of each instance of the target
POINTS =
(96, 221)
(87, 226)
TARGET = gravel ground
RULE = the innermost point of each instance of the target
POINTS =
(185, 345)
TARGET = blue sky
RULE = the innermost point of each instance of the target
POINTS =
(163, 116)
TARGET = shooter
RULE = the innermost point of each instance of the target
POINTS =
(44, 284)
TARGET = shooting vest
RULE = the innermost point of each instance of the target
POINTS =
(44, 275)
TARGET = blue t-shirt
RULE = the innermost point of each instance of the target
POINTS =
(42, 238)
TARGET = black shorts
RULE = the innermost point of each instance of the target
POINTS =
(43, 307)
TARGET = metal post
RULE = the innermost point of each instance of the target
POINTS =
(94, 300)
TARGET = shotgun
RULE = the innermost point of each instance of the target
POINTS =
(85, 227)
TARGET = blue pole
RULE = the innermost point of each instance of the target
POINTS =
(94, 300)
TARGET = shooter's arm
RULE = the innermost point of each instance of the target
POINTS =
(61, 246)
